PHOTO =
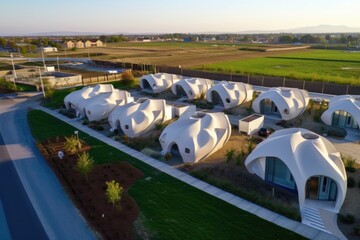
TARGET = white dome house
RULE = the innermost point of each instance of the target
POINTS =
(287, 103)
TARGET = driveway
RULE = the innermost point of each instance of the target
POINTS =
(32, 201)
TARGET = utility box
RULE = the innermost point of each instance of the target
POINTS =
(251, 124)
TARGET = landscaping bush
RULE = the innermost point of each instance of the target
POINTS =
(336, 132)
(85, 122)
(351, 182)
(127, 78)
(100, 128)
(349, 163)
(7, 86)
(347, 219)
(357, 231)
(229, 155)
(152, 153)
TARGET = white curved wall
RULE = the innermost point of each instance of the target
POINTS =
(101, 106)
(197, 136)
(232, 94)
(159, 82)
(193, 87)
(347, 103)
(72, 100)
(306, 154)
(136, 118)
(291, 102)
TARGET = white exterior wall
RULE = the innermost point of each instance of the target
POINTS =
(253, 126)
(197, 136)
(193, 87)
(305, 157)
(291, 102)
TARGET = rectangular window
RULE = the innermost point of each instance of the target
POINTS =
(278, 173)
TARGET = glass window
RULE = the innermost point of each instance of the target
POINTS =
(278, 173)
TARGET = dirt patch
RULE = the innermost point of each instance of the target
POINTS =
(89, 195)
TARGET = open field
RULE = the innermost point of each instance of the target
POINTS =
(318, 65)
(171, 53)
(169, 209)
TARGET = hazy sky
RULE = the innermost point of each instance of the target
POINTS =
(145, 16)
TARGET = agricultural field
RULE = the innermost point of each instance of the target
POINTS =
(172, 53)
(335, 66)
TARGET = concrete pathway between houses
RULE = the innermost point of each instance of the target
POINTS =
(243, 204)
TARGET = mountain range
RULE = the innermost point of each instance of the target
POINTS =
(309, 29)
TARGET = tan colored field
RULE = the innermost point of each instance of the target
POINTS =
(171, 54)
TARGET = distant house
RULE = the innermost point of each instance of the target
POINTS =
(69, 44)
(89, 43)
(93, 43)
(80, 44)
(99, 43)
(48, 49)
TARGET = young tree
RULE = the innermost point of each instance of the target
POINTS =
(72, 144)
(114, 192)
(84, 163)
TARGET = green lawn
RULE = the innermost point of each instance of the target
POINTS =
(170, 209)
(336, 66)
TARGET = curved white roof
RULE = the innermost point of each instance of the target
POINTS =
(100, 106)
(306, 154)
(291, 102)
(193, 87)
(232, 94)
(196, 136)
(159, 82)
(136, 118)
(72, 100)
(347, 103)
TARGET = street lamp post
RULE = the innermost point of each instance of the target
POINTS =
(42, 83)
(78, 139)
(58, 64)
(14, 71)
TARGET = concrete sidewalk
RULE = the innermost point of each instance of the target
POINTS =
(240, 203)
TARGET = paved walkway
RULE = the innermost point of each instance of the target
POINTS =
(261, 212)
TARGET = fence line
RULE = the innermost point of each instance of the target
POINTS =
(265, 81)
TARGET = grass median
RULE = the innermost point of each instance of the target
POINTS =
(169, 208)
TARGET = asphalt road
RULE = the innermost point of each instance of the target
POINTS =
(21, 218)
(32, 200)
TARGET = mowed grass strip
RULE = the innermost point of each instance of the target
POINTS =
(170, 209)
(334, 66)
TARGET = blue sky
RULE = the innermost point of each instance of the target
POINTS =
(187, 16)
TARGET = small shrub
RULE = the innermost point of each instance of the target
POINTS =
(229, 155)
(100, 128)
(357, 231)
(349, 163)
(124, 138)
(127, 78)
(167, 156)
(84, 164)
(250, 147)
(72, 144)
(347, 219)
(160, 126)
(85, 122)
(351, 182)
(114, 192)
(238, 159)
